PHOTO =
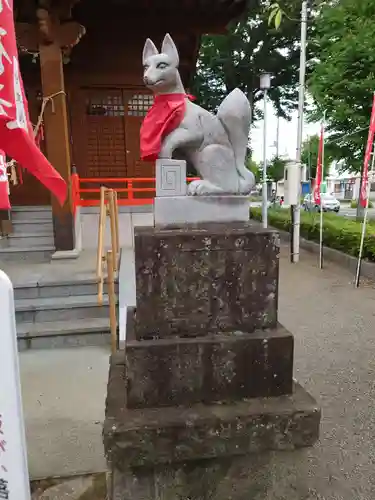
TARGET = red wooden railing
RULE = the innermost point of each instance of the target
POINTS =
(130, 186)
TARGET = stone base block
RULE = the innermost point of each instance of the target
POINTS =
(147, 437)
(221, 368)
(177, 210)
(204, 279)
(280, 475)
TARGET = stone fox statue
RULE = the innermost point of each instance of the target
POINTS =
(214, 145)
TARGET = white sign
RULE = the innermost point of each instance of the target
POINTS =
(14, 477)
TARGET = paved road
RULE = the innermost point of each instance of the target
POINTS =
(334, 360)
(345, 211)
(64, 393)
(351, 213)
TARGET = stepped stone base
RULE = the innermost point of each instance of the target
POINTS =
(202, 405)
(144, 446)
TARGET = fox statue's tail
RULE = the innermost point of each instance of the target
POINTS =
(235, 115)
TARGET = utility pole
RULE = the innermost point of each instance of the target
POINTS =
(265, 84)
(277, 136)
(295, 209)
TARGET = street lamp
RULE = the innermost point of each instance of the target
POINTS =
(265, 84)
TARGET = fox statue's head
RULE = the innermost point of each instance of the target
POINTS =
(160, 70)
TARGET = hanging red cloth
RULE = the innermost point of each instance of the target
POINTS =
(16, 134)
(369, 150)
(39, 138)
(164, 116)
(319, 168)
(4, 185)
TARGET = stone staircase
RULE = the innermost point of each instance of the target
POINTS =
(55, 301)
(61, 314)
(32, 237)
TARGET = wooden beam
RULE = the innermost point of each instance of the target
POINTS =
(27, 36)
(31, 36)
(57, 140)
(69, 34)
(45, 24)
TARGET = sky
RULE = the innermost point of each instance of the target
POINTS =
(287, 135)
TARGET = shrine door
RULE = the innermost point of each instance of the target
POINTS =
(105, 126)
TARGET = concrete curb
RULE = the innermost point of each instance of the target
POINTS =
(72, 489)
(344, 260)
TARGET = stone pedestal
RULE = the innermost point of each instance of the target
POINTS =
(198, 209)
(202, 403)
(172, 206)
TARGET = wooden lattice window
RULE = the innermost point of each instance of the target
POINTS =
(139, 104)
(110, 105)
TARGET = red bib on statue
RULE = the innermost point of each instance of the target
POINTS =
(164, 116)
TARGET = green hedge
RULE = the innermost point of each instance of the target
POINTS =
(338, 233)
(354, 204)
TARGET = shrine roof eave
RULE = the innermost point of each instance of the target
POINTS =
(222, 10)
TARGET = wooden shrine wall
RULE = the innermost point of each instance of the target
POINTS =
(107, 102)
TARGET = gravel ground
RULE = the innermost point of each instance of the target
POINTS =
(334, 330)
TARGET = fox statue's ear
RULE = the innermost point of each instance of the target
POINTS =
(149, 50)
(170, 49)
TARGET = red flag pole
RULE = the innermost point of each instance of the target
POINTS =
(321, 160)
(365, 187)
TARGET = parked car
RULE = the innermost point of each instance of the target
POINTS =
(329, 203)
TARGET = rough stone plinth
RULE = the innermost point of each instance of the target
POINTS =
(274, 475)
(199, 209)
(205, 278)
(222, 368)
(147, 437)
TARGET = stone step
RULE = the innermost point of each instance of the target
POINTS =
(27, 240)
(35, 208)
(27, 254)
(31, 213)
(60, 334)
(51, 309)
(27, 226)
(60, 288)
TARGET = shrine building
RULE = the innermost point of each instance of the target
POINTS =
(81, 64)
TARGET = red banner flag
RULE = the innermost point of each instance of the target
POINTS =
(319, 168)
(16, 135)
(4, 185)
(370, 142)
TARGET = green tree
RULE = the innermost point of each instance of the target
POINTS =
(310, 152)
(254, 168)
(343, 78)
(251, 47)
(275, 170)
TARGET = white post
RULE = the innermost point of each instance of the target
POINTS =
(14, 477)
(277, 136)
(265, 84)
(264, 189)
(295, 210)
(364, 223)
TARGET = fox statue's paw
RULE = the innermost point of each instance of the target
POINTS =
(203, 187)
